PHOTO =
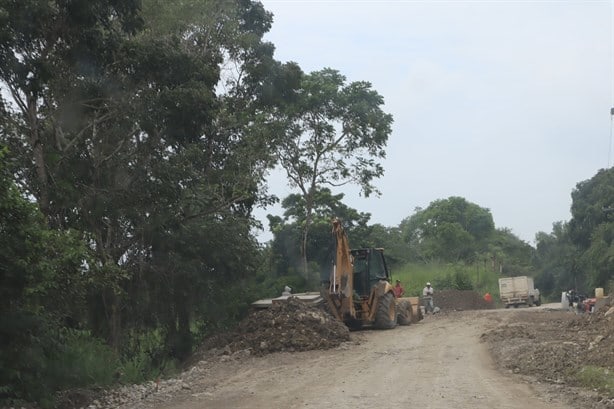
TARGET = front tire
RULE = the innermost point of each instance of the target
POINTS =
(386, 314)
(404, 313)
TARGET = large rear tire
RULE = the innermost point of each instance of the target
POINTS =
(386, 314)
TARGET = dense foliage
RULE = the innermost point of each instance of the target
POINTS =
(449, 230)
(136, 139)
(579, 254)
(332, 134)
(136, 152)
(455, 244)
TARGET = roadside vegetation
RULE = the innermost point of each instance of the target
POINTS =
(597, 378)
(135, 142)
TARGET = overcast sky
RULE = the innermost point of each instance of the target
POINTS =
(505, 103)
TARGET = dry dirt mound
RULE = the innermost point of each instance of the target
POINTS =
(460, 300)
(596, 331)
(558, 347)
(286, 326)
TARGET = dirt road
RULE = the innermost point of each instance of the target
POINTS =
(437, 363)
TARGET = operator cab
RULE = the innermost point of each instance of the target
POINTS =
(369, 268)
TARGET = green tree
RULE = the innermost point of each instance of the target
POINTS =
(288, 230)
(44, 47)
(140, 138)
(591, 227)
(41, 285)
(334, 133)
(450, 230)
(556, 259)
(512, 256)
(55, 58)
(388, 238)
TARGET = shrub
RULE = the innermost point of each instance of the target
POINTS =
(598, 378)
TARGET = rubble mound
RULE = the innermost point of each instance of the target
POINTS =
(460, 300)
(597, 332)
(288, 326)
(561, 347)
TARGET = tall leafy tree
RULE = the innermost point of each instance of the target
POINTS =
(591, 227)
(55, 58)
(219, 154)
(510, 255)
(334, 133)
(450, 229)
(41, 285)
(388, 238)
(556, 259)
(139, 128)
(288, 231)
(45, 46)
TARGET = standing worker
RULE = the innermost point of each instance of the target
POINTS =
(427, 296)
(398, 290)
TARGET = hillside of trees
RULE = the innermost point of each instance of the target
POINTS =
(135, 142)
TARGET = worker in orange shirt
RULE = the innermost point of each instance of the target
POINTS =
(398, 289)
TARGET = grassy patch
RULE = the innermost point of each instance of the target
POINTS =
(595, 377)
(447, 276)
(81, 361)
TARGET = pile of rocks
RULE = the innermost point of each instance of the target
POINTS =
(289, 326)
(558, 346)
(597, 330)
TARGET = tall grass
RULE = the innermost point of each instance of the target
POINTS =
(82, 360)
(598, 378)
(145, 357)
(76, 359)
(478, 277)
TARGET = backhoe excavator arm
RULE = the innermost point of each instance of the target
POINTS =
(341, 289)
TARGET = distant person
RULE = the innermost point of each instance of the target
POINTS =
(427, 296)
(398, 289)
(571, 298)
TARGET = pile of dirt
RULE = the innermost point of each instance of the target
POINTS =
(460, 300)
(296, 326)
(558, 346)
(596, 330)
(287, 326)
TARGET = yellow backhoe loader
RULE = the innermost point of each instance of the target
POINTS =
(359, 291)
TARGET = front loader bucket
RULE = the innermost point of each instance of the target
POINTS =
(404, 312)
(415, 307)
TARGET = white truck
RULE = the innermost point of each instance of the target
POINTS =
(515, 291)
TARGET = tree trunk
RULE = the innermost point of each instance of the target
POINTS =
(39, 157)
(113, 317)
(304, 250)
(184, 337)
(116, 324)
(305, 235)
